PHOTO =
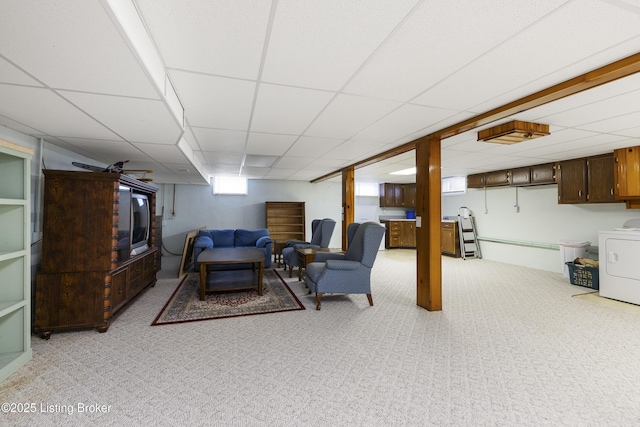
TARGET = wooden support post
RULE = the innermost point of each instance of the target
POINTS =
(428, 223)
(348, 202)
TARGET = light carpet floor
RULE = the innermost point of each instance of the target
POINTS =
(511, 347)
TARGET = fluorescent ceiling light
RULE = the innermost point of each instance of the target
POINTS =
(410, 171)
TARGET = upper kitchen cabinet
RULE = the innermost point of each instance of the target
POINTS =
(586, 180)
(476, 180)
(627, 173)
(533, 175)
(397, 195)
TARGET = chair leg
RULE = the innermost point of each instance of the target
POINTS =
(290, 272)
(318, 300)
(370, 299)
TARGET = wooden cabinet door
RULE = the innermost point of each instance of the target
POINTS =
(118, 288)
(572, 181)
(476, 180)
(448, 238)
(408, 237)
(521, 176)
(497, 178)
(600, 179)
(543, 174)
(627, 172)
(409, 195)
(387, 195)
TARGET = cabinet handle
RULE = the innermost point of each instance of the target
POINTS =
(580, 193)
(612, 191)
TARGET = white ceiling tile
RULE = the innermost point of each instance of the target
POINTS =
(76, 46)
(209, 36)
(435, 48)
(616, 124)
(231, 141)
(289, 162)
(307, 146)
(163, 153)
(134, 119)
(12, 75)
(215, 102)
(353, 150)
(269, 143)
(307, 46)
(106, 151)
(296, 108)
(347, 115)
(54, 115)
(223, 159)
(508, 68)
(405, 120)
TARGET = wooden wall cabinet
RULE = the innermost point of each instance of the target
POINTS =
(450, 240)
(533, 175)
(82, 283)
(586, 180)
(627, 173)
(476, 180)
(394, 195)
(15, 257)
(400, 234)
(497, 178)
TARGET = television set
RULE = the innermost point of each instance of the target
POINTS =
(134, 221)
(140, 222)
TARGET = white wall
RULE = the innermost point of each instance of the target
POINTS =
(540, 220)
(195, 206)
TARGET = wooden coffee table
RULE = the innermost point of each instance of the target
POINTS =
(306, 256)
(230, 280)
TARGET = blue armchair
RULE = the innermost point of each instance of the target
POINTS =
(348, 273)
(321, 232)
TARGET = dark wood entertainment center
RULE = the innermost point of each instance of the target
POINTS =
(84, 279)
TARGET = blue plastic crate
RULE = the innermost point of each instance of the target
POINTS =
(584, 275)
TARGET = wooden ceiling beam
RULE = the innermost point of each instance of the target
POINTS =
(616, 70)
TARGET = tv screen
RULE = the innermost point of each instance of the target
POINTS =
(140, 222)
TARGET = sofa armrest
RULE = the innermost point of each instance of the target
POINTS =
(203, 242)
(306, 246)
(263, 241)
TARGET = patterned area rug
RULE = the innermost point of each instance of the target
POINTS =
(185, 305)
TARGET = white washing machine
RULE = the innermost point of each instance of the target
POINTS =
(619, 254)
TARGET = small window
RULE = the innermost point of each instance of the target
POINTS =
(366, 188)
(230, 185)
(454, 185)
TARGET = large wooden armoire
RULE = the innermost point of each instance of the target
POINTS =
(90, 268)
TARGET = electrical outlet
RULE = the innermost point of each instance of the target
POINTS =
(516, 208)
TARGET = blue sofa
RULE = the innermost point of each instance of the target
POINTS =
(239, 238)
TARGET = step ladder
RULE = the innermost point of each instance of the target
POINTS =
(469, 247)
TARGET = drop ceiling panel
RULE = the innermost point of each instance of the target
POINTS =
(615, 125)
(405, 120)
(53, 115)
(163, 153)
(224, 159)
(435, 48)
(12, 75)
(307, 46)
(216, 102)
(220, 140)
(216, 37)
(288, 162)
(134, 119)
(269, 143)
(347, 115)
(296, 108)
(352, 150)
(307, 146)
(109, 152)
(573, 24)
(84, 52)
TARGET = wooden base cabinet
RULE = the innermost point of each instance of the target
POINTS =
(450, 240)
(89, 271)
(400, 234)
